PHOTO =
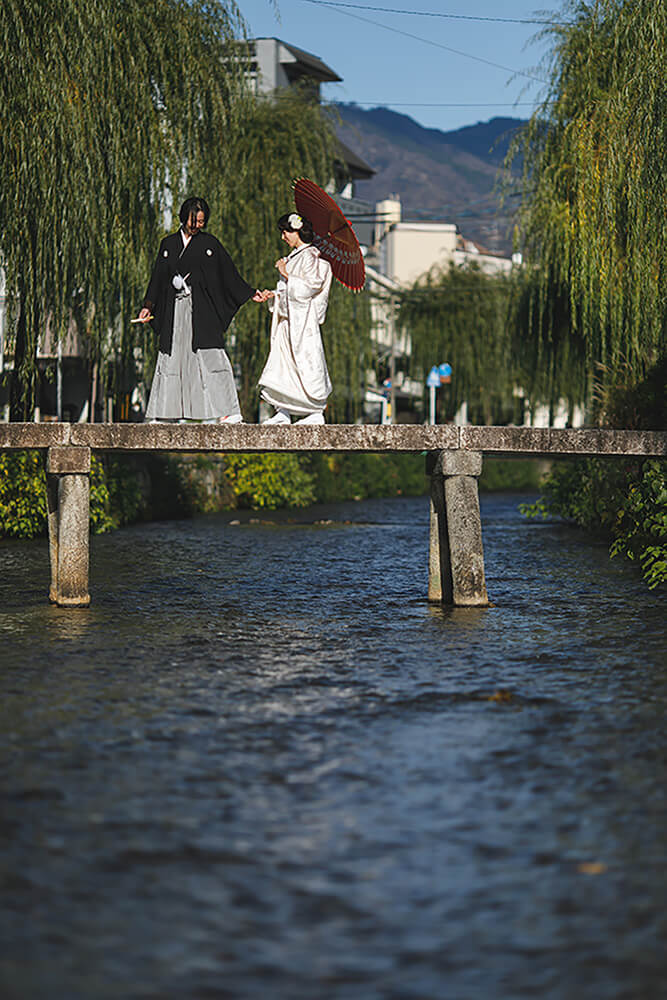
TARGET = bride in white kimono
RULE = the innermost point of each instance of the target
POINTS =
(295, 380)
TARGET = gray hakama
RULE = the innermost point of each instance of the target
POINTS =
(191, 385)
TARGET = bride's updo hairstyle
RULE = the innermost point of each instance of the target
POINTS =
(294, 223)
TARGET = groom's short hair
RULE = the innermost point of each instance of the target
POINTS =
(195, 205)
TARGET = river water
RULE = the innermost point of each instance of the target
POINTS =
(260, 765)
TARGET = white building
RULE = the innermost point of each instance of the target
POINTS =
(275, 64)
(407, 251)
(403, 253)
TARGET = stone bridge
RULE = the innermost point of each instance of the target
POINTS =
(454, 463)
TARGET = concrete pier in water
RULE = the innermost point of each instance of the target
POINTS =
(454, 463)
(68, 495)
(456, 554)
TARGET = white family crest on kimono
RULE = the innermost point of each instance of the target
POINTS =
(295, 377)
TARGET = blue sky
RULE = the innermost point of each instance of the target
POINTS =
(411, 74)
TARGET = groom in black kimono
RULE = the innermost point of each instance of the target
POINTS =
(191, 299)
(217, 288)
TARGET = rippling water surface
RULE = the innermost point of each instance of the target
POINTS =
(261, 765)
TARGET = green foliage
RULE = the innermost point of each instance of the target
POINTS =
(270, 480)
(125, 489)
(641, 523)
(625, 502)
(22, 494)
(622, 402)
(641, 530)
(172, 491)
(593, 225)
(109, 114)
(576, 491)
(102, 108)
(23, 506)
(360, 476)
(101, 518)
(347, 345)
(549, 356)
(126, 485)
(500, 475)
(461, 316)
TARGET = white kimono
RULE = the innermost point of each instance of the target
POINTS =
(295, 377)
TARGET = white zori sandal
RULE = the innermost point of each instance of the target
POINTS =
(279, 417)
(312, 418)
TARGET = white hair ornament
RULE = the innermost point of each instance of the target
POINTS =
(295, 221)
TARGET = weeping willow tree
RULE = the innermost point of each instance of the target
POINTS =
(105, 111)
(593, 225)
(549, 355)
(461, 316)
(272, 142)
(349, 352)
(109, 115)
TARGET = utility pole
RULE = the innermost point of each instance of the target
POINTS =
(392, 359)
(388, 314)
(59, 381)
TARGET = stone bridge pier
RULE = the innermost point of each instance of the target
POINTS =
(456, 555)
(68, 498)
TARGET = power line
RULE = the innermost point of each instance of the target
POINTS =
(427, 13)
(437, 45)
(461, 206)
(424, 104)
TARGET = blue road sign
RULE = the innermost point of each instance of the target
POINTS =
(433, 378)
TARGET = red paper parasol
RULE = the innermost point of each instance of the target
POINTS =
(334, 236)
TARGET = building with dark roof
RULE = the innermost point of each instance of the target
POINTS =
(275, 64)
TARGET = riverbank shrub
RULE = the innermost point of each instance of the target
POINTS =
(101, 516)
(269, 480)
(287, 480)
(642, 523)
(159, 487)
(23, 505)
(22, 494)
(624, 502)
(508, 475)
(128, 487)
(360, 476)
(178, 486)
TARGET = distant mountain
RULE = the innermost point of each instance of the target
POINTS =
(443, 176)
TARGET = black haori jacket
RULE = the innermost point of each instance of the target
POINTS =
(217, 289)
